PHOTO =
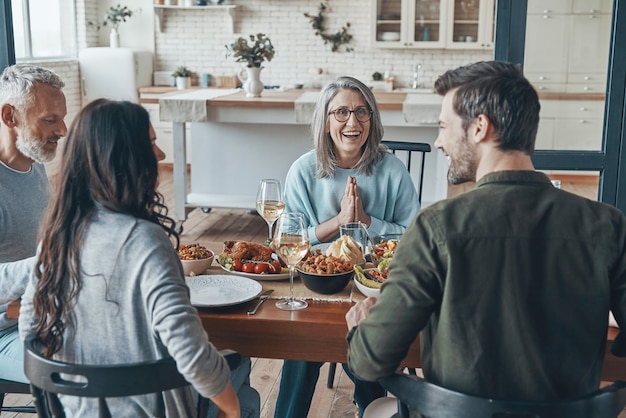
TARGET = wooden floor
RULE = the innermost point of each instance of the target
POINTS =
(211, 229)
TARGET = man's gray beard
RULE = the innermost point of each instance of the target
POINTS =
(34, 149)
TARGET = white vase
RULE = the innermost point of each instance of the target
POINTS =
(183, 83)
(114, 38)
(251, 79)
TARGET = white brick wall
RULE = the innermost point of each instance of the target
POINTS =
(197, 39)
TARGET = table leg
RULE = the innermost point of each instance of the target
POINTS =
(180, 172)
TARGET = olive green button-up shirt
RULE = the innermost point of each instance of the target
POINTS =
(510, 285)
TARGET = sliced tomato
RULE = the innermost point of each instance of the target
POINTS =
(248, 268)
(275, 267)
(260, 268)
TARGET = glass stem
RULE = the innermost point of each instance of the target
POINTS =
(291, 270)
(269, 226)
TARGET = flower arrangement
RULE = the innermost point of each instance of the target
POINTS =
(261, 50)
(182, 71)
(113, 17)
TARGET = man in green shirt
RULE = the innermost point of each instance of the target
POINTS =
(510, 284)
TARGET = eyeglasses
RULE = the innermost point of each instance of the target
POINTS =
(342, 114)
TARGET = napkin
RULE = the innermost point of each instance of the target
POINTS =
(612, 321)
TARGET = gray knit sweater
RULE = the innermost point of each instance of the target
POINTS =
(134, 306)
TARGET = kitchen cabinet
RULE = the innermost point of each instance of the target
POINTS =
(409, 23)
(419, 24)
(566, 45)
(570, 125)
(470, 24)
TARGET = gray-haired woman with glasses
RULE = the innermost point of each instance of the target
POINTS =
(349, 177)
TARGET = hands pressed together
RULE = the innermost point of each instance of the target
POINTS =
(351, 211)
(352, 205)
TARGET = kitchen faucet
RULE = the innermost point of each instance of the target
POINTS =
(416, 75)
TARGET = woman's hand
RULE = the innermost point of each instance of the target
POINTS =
(348, 203)
(359, 212)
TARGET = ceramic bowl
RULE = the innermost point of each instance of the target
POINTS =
(367, 291)
(197, 267)
(326, 284)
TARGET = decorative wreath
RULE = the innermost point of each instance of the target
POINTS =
(337, 39)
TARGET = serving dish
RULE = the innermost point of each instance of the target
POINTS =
(326, 284)
(363, 288)
(261, 277)
(196, 267)
(217, 290)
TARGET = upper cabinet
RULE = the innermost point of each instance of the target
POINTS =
(417, 24)
(470, 24)
(566, 45)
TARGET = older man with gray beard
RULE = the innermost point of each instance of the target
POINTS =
(32, 112)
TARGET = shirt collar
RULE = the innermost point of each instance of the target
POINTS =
(515, 177)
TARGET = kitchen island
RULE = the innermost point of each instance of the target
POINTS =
(237, 141)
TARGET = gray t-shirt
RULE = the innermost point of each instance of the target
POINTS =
(23, 198)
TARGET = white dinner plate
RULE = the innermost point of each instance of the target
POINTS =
(221, 290)
(262, 277)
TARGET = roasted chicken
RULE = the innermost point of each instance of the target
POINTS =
(242, 250)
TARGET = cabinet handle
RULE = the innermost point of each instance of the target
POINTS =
(592, 16)
(542, 88)
(587, 77)
(583, 121)
(547, 11)
(546, 16)
(583, 109)
(586, 88)
(542, 77)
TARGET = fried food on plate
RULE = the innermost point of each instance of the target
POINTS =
(242, 250)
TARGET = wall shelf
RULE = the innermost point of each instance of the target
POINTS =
(160, 11)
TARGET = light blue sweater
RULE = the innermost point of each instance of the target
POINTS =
(388, 195)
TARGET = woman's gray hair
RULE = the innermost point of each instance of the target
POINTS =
(372, 150)
(17, 83)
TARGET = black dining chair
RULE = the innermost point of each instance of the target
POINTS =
(49, 378)
(9, 386)
(436, 401)
(408, 148)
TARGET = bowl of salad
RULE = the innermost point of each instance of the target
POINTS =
(384, 246)
(195, 258)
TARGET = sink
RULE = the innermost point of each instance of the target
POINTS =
(410, 90)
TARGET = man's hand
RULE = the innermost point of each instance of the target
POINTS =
(359, 312)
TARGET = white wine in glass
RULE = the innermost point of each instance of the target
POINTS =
(291, 243)
(269, 202)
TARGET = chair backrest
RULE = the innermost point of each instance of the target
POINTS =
(101, 381)
(409, 148)
(435, 401)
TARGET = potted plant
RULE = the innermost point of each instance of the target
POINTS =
(112, 18)
(253, 55)
(183, 77)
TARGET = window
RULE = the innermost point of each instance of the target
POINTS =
(44, 29)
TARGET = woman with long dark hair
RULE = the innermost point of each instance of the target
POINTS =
(109, 287)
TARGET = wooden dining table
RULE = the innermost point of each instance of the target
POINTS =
(317, 333)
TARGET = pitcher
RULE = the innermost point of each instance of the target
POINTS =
(251, 79)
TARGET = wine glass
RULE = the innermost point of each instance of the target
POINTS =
(291, 243)
(269, 202)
